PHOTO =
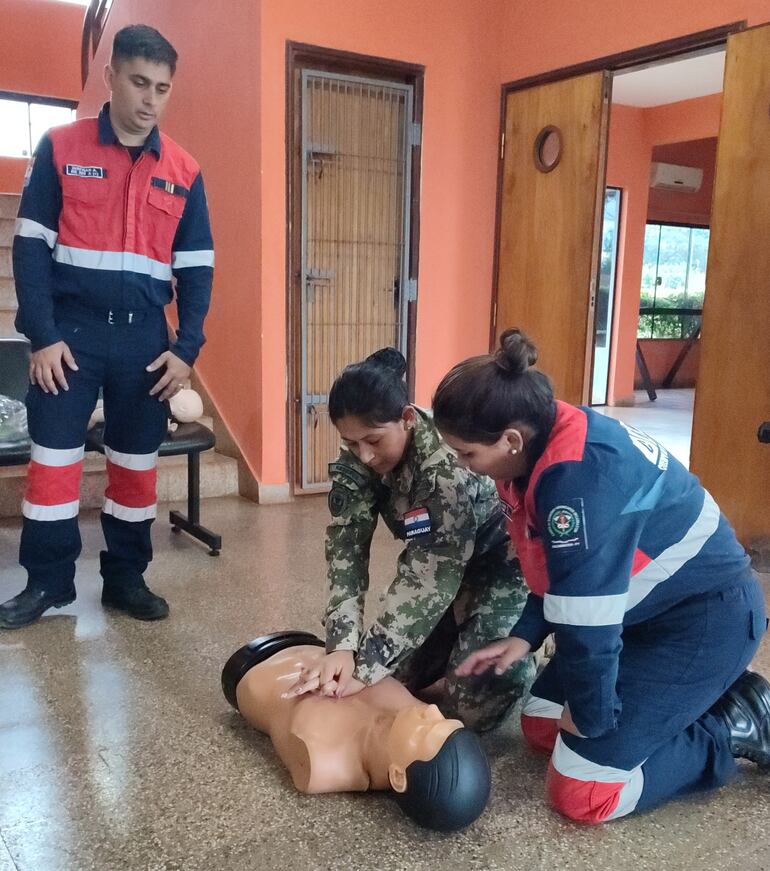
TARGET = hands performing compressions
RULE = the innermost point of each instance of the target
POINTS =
(332, 677)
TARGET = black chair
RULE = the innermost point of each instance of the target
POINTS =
(189, 438)
(14, 380)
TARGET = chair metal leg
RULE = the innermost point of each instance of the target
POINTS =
(191, 524)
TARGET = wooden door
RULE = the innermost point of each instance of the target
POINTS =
(733, 394)
(550, 221)
(356, 189)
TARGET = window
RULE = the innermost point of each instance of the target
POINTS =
(24, 121)
(673, 281)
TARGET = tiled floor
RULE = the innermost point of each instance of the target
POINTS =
(118, 750)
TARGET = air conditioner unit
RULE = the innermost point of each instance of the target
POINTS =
(670, 177)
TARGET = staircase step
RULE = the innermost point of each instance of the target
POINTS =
(9, 205)
(219, 477)
(7, 294)
(6, 232)
(6, 266)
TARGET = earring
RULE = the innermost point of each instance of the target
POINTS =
(514, 451)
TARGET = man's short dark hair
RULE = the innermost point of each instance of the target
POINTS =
(139, 40)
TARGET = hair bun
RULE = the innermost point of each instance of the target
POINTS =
(389, 358)
(516, 353)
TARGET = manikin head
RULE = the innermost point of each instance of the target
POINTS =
(436, 767)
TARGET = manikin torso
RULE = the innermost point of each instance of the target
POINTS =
(335, 745)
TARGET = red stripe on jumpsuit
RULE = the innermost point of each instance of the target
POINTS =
(130, 487)
(53, 485)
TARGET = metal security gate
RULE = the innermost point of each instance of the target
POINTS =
(356, 190)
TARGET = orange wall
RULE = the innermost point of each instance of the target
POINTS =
(679, 207)
(214, 114)
(39, 55)
(634, 137)
(628, 167)
(660, 354)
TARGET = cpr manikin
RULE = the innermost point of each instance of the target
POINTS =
(379, 738)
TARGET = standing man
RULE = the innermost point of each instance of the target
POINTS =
(112, 211)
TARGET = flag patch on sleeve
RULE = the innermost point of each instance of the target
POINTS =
(417, 522)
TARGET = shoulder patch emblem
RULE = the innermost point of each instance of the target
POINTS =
(338, 501)
(417, 523)
(566, 526)
(351, 475)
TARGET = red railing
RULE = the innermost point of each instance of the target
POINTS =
(93, 28)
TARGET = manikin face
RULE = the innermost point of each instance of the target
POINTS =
(139, 93)
(504, 460)
(379, 446)
(418, 733)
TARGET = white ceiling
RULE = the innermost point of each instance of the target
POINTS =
(670, 82)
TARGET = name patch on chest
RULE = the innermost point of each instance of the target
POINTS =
(84, 171)
(417, 523)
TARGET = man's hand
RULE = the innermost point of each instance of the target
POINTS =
(46, 369)
(500, 654)
(333, 676)
(173, 379)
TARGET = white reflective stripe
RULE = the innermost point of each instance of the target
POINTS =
(569, 763)
(113, 261)
(585, 610)
(537, 707)
(132, 515)
(629, 795)
(135, 462)
(56, 456)
(50, 512)
(181, 259)
(674, 557)
(34, 230)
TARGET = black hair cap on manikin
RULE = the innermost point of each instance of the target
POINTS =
(451, 790)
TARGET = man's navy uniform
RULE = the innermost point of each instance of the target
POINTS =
(104, 236)
(655, 611)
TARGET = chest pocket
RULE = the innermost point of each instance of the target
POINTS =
(84, 190)
(165, 213)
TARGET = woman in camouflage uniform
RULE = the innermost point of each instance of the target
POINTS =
(458, 583)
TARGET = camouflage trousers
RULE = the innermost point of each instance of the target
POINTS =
(487, 606)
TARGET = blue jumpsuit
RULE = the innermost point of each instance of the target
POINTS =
(101, 237)
(655, 612)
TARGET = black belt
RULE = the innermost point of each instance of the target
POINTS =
(113, 317)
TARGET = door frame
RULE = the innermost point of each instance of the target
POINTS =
(647, 54)
(301, 56)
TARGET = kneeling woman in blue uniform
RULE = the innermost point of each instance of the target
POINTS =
(630, 563)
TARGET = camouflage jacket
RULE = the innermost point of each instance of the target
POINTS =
(443, 512)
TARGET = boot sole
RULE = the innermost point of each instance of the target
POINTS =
(111, 606)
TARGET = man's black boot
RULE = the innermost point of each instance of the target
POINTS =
(136, 601)
(29, 605)
(745, 710)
